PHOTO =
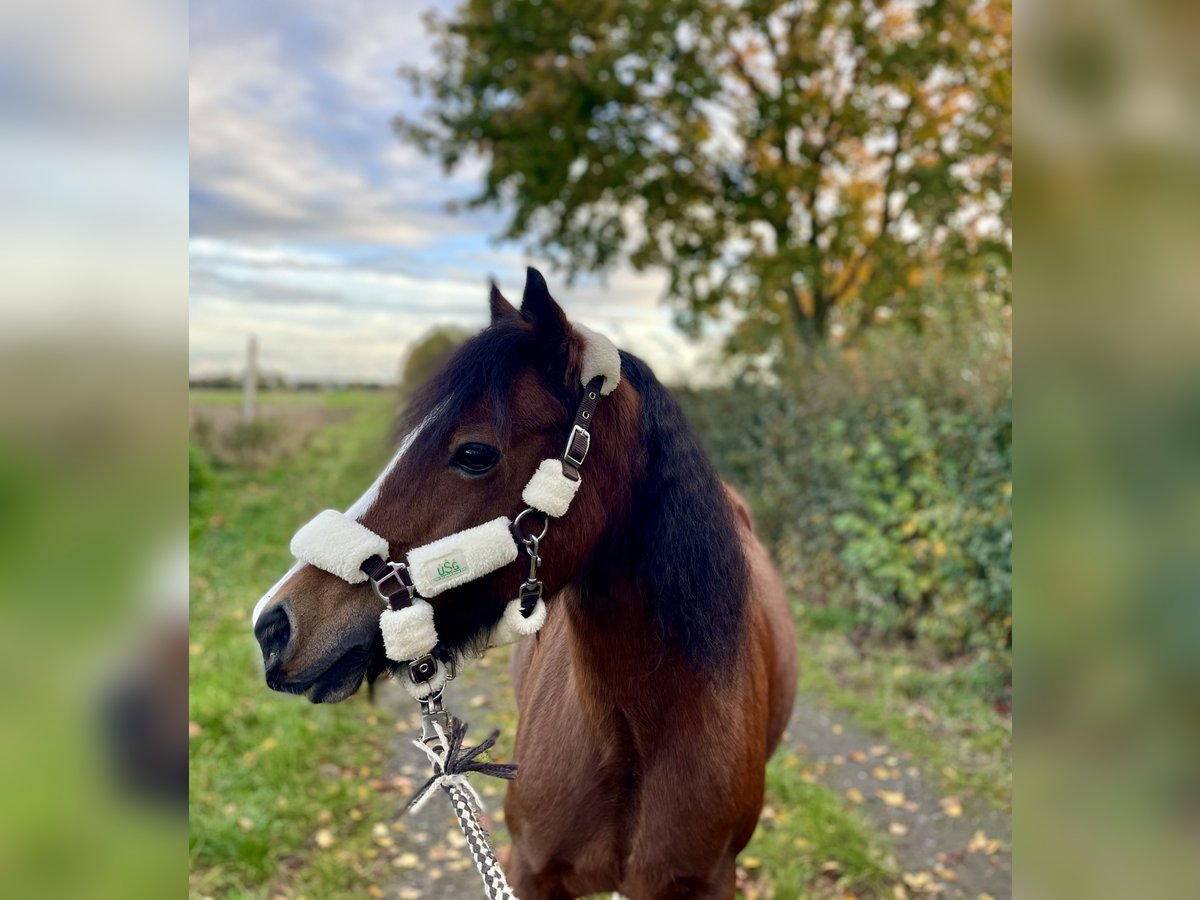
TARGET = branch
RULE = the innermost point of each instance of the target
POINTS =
(885, 220)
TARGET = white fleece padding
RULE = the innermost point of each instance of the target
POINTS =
(421, 691)
(549, 489)
(408, 633)
(462, 557)
(600, 357)
(338, 545)
(513, 625)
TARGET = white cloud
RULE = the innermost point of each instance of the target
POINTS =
(319, 231)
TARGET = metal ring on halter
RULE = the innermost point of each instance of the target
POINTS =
(517, 524)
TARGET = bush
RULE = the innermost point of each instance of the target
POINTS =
(249, 443)
(881, 478)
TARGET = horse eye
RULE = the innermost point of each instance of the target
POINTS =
(475, 459)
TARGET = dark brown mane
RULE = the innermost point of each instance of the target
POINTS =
(681, 537)
(485, 366)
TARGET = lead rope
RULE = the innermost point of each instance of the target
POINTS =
(451, 765)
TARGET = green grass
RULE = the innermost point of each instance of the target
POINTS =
(936, 709)
(267, 770)
(809, 843)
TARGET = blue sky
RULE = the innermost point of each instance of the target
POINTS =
(315, 228)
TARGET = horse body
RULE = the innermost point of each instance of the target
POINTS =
(664, 675)
(638, 774)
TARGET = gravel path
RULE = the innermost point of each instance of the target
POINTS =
(945, 846)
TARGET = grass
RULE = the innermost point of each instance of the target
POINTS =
(809, 843)
(935, 709)
(269, 771)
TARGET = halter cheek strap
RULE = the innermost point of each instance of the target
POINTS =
(342, 546)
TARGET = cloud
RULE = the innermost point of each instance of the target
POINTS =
(315, 228)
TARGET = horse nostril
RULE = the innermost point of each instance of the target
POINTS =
(274, 632)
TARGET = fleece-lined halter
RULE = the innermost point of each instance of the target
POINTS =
(339, 544)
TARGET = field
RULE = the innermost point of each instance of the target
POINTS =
(894, 780)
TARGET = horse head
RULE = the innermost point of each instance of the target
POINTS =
(477, 432)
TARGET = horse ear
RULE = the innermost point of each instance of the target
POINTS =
(501, 308)
(539, 308)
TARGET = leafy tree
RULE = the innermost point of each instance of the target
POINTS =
(800, 168)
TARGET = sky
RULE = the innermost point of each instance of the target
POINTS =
(314, 228)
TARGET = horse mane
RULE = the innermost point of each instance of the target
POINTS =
(691, 567)
(485, 365)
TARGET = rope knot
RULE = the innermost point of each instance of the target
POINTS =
(452, 763)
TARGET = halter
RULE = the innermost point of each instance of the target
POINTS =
(336, 543)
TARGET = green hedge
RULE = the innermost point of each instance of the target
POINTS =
(882, 480)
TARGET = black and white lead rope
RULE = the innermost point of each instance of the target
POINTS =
(451, 765)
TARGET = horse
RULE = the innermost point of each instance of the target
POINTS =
(664, 674)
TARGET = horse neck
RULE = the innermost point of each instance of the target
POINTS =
(621, 663)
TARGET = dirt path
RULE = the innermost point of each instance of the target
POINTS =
(944, 845)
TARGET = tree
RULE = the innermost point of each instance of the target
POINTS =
(428, 354)
(798, 168)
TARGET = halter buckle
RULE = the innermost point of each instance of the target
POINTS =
(404, 583)
(577, 461)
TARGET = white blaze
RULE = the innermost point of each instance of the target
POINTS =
(356, 511)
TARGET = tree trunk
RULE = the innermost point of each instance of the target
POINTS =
(811, 329)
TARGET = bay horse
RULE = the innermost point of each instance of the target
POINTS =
(664, 675)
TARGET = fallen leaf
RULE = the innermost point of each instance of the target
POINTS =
(918, 881)
(324, 838)
(981, 843)
(194, 730)
(951, 807)
(891, 798)
(899, 829)
(879, 750)
(837, 728)
(406, 861)
(881, 773)
(945, 874)
(800, 843)
(751, 862)
(858, 756)
(855, 795)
